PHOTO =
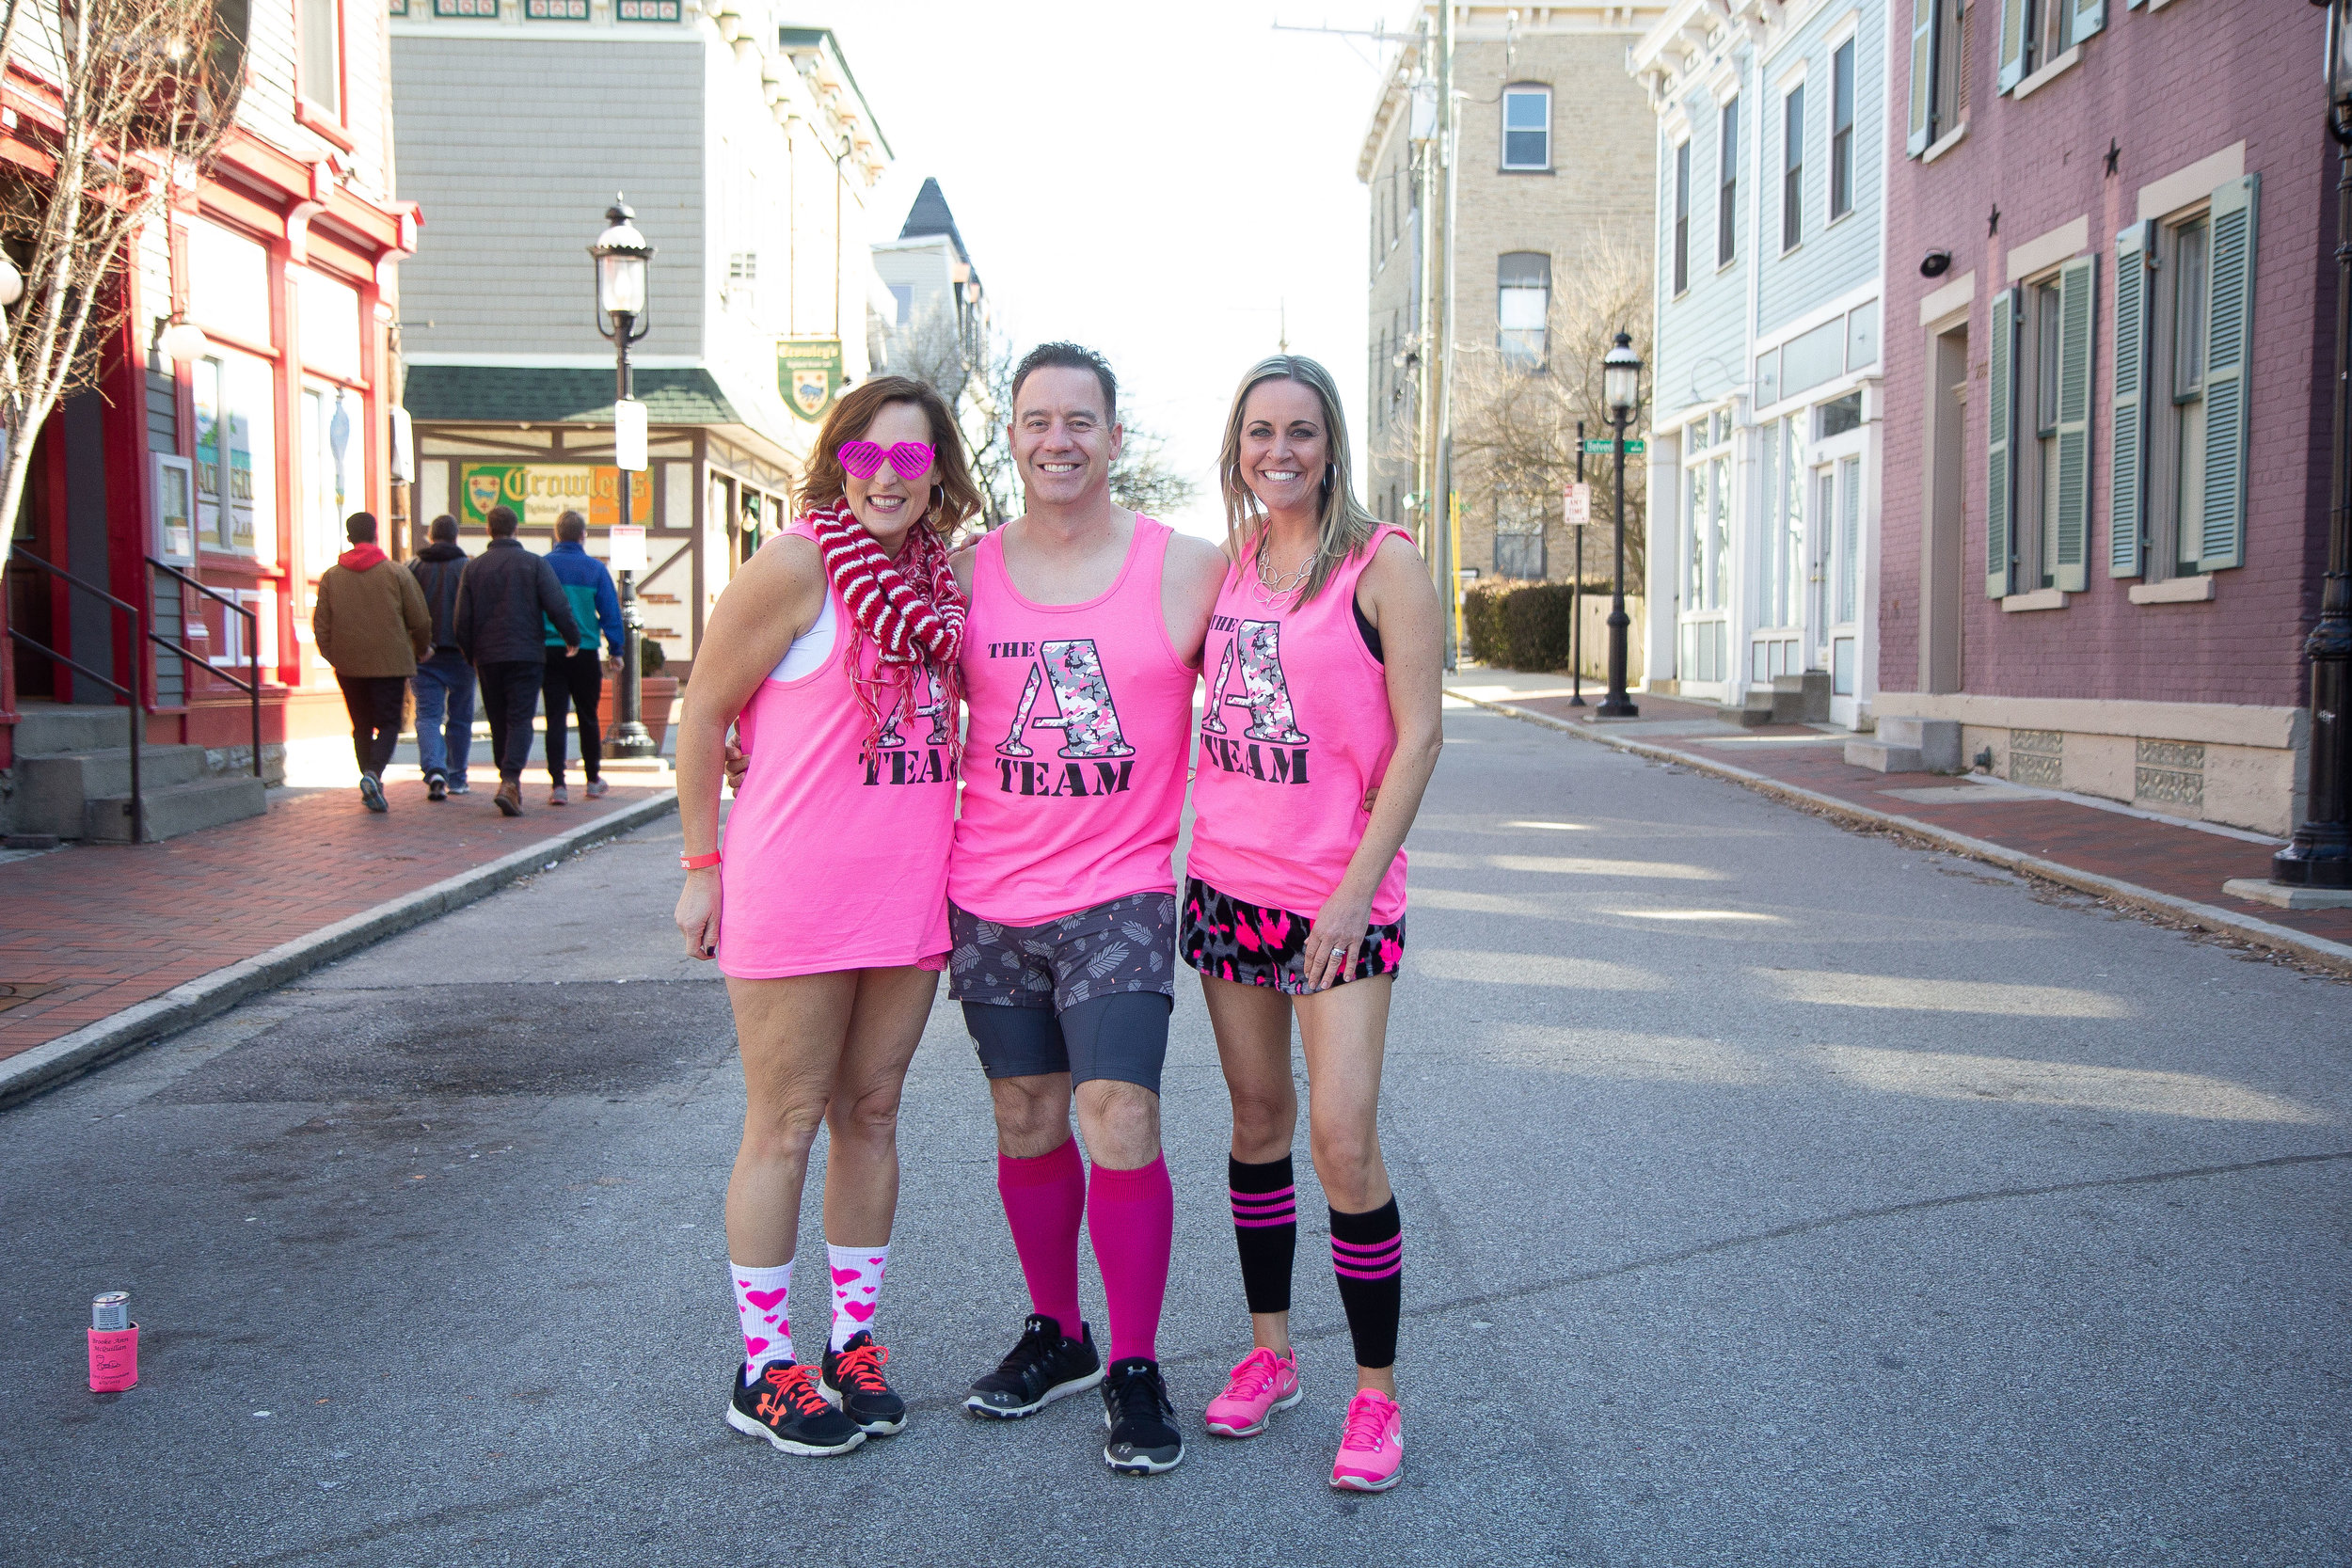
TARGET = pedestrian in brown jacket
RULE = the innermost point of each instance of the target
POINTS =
(371, 624)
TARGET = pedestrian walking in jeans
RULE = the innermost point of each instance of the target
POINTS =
(503, 595)
(372, 625)
(576, 677)
(444, 681)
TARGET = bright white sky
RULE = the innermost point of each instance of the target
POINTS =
(1156, 181)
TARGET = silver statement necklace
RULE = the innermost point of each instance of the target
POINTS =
(1276, 586)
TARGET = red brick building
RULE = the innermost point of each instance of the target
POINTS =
(2110, 307)
(249, 455)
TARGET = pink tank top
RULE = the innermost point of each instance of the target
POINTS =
(1298, 728)
(830, 861)
(1073, 769)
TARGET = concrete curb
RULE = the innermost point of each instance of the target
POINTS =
(2328, 955)
(142, 1023)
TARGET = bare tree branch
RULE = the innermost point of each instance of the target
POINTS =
(1514, 420)
(142, 93)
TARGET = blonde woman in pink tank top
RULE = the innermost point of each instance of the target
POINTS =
(1320, 732)
(833, 652)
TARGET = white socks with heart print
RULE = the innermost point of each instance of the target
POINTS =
(857, 1277)
(761, 1299)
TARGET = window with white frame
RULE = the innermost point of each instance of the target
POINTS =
(1939, 82)
(1682, 216)
(2035, 34)
(2184, 286)
(1841, 130)
(1519, 535)
(2037, 505)
(1707, 514)
(1792, 168)
(1522, 304)
(1527, 127)
(1727, 183)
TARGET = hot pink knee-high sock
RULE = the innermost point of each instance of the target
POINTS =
(1132, 1216)
(1045, 1199)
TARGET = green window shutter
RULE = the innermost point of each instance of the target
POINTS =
(2000, 473)
(1922, 72)
(2089, 16)
(2013, 43)
(2229, 322)
(2077, 286)
(2127, 488)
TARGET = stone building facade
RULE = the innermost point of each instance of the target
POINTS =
(2108, 341)
(1553, 163)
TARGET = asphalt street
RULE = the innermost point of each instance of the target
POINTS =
(1773, 1193)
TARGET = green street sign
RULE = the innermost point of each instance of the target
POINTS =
(1603, 445)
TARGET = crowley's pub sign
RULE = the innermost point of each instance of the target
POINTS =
(808, 373)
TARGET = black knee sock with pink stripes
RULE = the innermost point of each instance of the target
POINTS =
(1368, 1256)
(1265, 1228)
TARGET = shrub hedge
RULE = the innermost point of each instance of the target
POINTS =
(1520, 625)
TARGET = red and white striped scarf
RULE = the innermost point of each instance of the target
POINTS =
(910, 608)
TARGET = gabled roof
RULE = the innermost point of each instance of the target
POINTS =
(501, 394)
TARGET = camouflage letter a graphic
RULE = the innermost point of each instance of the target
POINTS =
(1265, 696)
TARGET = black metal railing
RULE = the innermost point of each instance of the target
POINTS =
(251, 687)
(130, 693)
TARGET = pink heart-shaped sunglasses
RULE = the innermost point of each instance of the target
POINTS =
(865, 459)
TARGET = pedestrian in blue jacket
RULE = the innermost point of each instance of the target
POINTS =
(577, 677)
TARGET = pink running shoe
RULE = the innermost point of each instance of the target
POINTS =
(1372, 1444)
(1262, 1385)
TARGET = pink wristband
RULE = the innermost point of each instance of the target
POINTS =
(696, 863)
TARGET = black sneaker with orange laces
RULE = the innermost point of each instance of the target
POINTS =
(853, 1384)
(782, 1406)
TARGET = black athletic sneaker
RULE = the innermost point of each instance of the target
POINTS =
(1142, 1419)
(853, 1384)
(436, 787)
(783, 1407)
(1042, 1368)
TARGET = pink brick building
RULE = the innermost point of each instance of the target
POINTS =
(2109, 330)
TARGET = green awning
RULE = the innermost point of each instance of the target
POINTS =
(500, 394)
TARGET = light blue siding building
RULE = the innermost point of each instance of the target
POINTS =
(1771, 242)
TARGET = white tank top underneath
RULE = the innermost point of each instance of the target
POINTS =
(809, 650)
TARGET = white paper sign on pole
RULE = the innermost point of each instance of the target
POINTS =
(628, 435)
(1580, 504)
(626, 548)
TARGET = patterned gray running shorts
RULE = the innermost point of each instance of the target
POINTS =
(1128, 945)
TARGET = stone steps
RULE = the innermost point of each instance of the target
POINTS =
(1909, 746)
(177, 809)
(1799, 699)
(74, 779)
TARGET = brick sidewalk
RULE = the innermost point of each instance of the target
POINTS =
(102, 927)
(2166, 857)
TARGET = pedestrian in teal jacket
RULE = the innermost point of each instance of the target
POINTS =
(577, 679)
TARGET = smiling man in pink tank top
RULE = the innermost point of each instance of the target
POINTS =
(1081, 653)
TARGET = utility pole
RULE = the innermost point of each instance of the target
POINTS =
(1440, 340)
(1429, 128)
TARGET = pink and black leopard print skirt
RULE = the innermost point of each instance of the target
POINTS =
(1223, 937)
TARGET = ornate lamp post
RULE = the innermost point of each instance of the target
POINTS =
(1621, 388)
(2320, 854)
(622, 254)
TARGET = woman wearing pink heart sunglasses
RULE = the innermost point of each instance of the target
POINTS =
(826, 905)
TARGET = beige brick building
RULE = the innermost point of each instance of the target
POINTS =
(1556, 161)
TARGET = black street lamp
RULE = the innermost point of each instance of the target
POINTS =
(1621, 388)
(620, 254)
(2320, 854)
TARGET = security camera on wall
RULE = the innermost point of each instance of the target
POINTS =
(1936, 263)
